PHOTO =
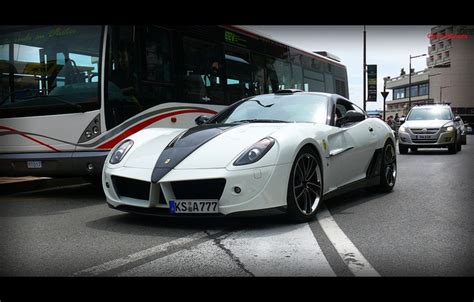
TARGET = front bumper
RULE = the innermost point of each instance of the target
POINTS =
(53, 164)
(261, 188)
(437, 140)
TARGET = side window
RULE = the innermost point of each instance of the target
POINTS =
(239, 74)
(202, 76)
(258, 74)
(157, 83)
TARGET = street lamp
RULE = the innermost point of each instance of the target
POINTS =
(409, 79)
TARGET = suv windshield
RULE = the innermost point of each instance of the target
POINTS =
(308, 108)
(432, 113)
(49, 69)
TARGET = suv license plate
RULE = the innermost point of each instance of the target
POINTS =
(423, 136)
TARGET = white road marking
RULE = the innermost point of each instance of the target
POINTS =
(204, 260)
(353, 258)
(114, 264)
(289, 250)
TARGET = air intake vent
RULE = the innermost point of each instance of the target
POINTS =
(288, 91)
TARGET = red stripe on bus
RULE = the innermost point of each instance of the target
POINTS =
(30, 138)
(111, 143)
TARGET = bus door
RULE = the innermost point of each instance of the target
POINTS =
(238, 74)
(122, 87)
(203, 70)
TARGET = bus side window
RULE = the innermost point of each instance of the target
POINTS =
(239, 74)
(258, 74)
(157, 81)
(202, 76)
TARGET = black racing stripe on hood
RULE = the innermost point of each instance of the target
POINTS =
(186, 144)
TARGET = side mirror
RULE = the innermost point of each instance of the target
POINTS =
(201, 119)
(457, 118)
(401, 120)
(353, 116)
(350, 117)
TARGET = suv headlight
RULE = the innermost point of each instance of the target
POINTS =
(119, 153)
(447, 129)
(256, 152)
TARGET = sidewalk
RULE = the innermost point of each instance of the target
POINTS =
(11, 185)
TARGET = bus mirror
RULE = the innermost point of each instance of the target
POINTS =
(201, 119)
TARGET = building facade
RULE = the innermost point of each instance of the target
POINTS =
(448, 78)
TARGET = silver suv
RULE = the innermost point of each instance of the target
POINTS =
(429, 126)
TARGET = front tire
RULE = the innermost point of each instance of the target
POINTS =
(305, 186)
(403, 149)
(453, 148)
(388, 173)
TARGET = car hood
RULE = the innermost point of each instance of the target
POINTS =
(428, 124)
(202, 147)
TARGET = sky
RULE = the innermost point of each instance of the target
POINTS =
(387, 46)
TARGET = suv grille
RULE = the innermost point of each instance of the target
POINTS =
(199, 189)
(428, 130)
(131, 188)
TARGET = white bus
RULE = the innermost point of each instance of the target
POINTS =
(68, 94)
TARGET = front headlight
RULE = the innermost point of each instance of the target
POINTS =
(447, 129)
(119, 153)
(256, 152)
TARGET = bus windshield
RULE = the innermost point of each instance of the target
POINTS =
(49, 70)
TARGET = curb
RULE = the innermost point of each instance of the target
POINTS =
(33, 185)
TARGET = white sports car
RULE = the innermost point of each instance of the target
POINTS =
(283, 151)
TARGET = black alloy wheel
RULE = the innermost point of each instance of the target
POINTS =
(305, 186)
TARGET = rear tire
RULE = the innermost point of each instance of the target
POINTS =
(402, 149)
(388, 172)
(305, 186)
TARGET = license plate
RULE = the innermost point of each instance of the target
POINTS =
(34, 164)
(423, 136)
(194, 206)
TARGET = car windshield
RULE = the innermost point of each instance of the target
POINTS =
(420, 114)
(307, 108)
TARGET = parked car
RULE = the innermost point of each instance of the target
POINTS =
(462, 128)
(430, 126)
(283, 151)
(469, 129)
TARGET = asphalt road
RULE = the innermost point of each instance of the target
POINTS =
(423, 228)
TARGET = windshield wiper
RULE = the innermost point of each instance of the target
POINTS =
(19, 91)
(64, 101)
(260, 121)
(56, 97)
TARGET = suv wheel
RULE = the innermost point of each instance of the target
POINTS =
(402, 149)
(453, 148)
